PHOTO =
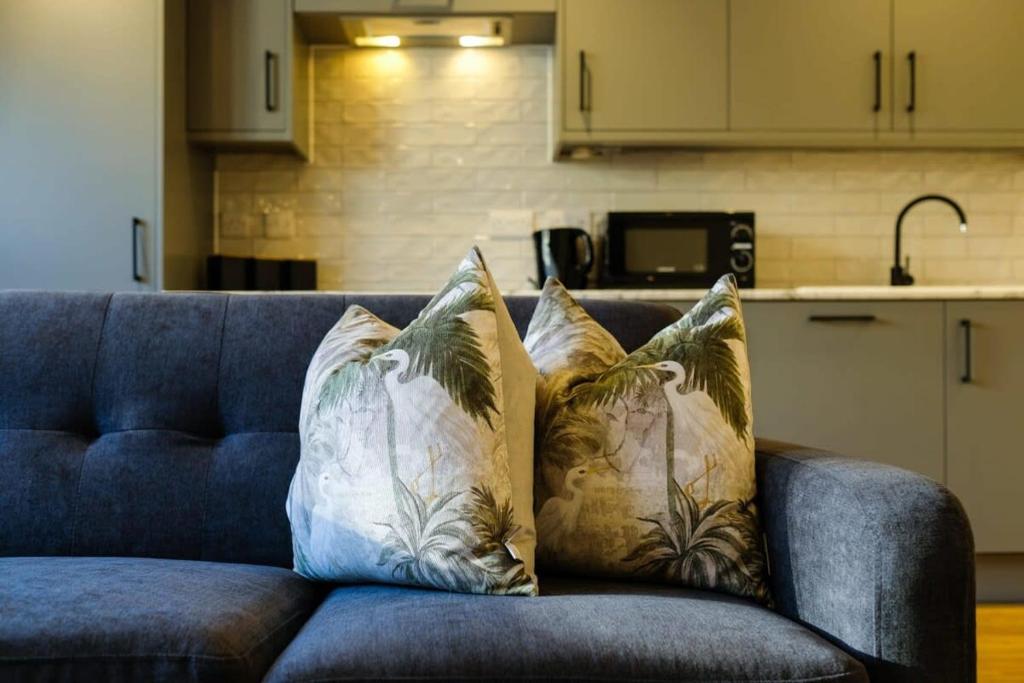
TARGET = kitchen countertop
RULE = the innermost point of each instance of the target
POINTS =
(881, 293)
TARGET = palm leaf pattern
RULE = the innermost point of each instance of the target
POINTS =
(494, 527)
(715, 546)
(452, 547)
(426, 544)
(442, 344)
(699, 342)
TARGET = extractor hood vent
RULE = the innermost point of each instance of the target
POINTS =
(434, 23)
(427, 31)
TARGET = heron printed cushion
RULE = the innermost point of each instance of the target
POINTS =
(645, 462)
(417, 448)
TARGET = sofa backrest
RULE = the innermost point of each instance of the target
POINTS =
(165, 425)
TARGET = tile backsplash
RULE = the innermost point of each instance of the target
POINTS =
(420, 153)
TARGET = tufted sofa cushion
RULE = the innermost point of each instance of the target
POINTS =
(164, 425)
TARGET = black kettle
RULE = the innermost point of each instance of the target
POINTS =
(559, 255)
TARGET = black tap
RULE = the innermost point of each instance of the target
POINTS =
(900, 275)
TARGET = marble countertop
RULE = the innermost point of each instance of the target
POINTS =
(912, 293)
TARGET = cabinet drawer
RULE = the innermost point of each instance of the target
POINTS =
(863, 379)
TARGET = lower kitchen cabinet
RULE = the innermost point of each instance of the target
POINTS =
(861, 378)
(984, 425)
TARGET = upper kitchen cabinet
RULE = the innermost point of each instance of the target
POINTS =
(636, 72)
(984, 432)
(809, 65)
(958, 66)
(100, 190)
(248, 75)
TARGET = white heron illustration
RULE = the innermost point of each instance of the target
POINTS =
(427, 419)
(702, 435)
(560, 513)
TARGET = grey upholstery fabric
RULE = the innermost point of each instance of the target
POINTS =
(164, 425)
(577, 630)
(878, 558)
(118, 619)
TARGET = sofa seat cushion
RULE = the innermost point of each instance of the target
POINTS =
(578, 630)
(127, 619)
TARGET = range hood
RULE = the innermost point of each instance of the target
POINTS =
(426, 23)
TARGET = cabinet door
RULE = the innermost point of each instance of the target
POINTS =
(985, 431)
(238, 65)
(809, 65)
(80, 143)
(656, 65)
(969, 58)
(862, 379)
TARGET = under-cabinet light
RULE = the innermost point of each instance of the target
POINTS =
(378, 41)
(481, 41)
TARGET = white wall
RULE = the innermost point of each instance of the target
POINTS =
(420, 153)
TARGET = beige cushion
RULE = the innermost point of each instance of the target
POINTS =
(646, 461)
(416, 461)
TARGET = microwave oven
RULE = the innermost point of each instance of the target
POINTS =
(678, 249)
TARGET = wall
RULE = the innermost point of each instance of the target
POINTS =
(420, 153)
(188, 172)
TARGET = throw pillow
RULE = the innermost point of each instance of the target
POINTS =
(416, 459)
(645, 461)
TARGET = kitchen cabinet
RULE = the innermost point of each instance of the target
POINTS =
(629, 68)
(100, 189)
(967, 64)
(794, 73)
(809, 65)
(248, 75)
(860, 378)
(984, 429)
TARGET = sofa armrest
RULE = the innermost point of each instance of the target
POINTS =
(875, 558)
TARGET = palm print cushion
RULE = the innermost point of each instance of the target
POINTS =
(645, 462)
(416, 459)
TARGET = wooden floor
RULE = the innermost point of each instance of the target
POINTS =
(1001, 643)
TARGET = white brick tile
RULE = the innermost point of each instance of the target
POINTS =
(539, 200)
(235, 247)
(320, 180)
(675, 200)
(478, 156)
(696, 179)
(864, 271)
(804, 248)
(519, 179)
(875, 180)
(790, 181)
(960, 180)
(279, 225)
(431, 179)
(510, 223)
(511, 133)
(234, 203)
(461, 202)
(235, 224)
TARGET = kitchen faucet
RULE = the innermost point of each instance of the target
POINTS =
(900, 274)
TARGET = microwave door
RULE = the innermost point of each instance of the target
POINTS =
(676, 251)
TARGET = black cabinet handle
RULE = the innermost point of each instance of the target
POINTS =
(270, 80)
(584, 83)
(136, 224)
(857, 318)
(967, 376)
(878, 81)
(912, 62)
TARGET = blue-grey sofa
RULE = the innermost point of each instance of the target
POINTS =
(146, 446)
